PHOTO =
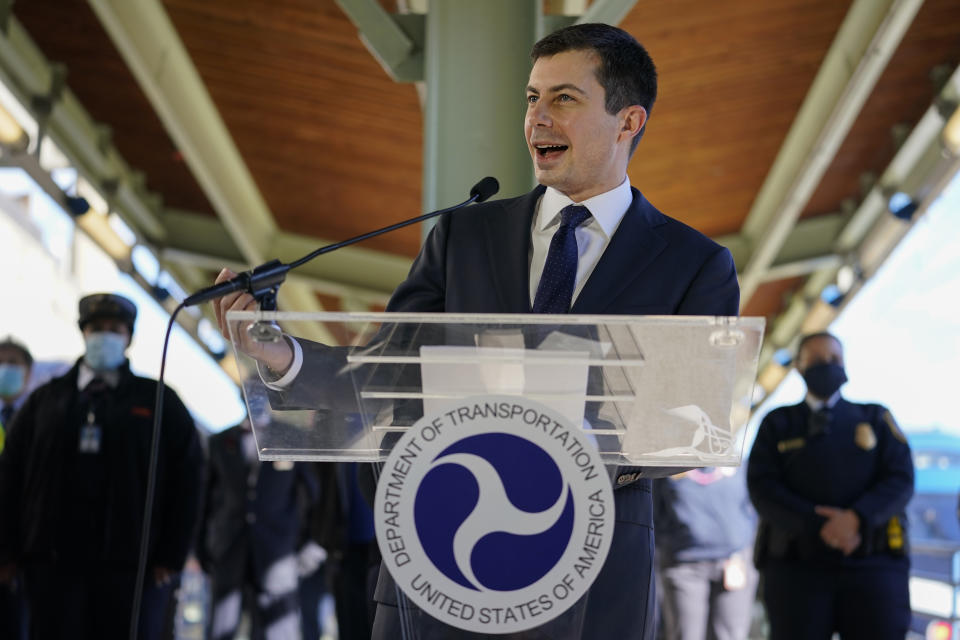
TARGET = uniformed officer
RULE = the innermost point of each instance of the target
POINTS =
(831, 480)
(73, 478)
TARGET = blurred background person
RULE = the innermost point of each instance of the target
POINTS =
(705, 528)
(15, 366)
(250, 533)
(343, 525)
(73, 477)
(831, 480)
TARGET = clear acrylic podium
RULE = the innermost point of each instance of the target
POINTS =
(650, 391)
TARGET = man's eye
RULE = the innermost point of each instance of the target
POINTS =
(564, 97)
(531, 99)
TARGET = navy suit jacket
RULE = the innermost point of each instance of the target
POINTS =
(477, 260)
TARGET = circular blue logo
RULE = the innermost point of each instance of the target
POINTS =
(503, 537)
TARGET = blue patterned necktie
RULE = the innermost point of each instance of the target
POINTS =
(555, 290)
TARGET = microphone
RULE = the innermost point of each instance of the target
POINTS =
(484, 189)
(263, 281)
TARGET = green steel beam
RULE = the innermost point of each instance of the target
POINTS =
(809, 239)
(395, 41)
(150, 45)
(869, 35)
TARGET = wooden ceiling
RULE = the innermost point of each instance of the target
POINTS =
(335, 146)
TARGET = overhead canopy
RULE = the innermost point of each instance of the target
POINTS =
(230, 132)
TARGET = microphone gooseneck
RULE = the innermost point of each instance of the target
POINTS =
(263, 281)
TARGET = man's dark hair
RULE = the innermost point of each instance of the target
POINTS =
(10, 343)
(626, 71)
(813, 336)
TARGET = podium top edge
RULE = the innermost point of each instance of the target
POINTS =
(749, 322)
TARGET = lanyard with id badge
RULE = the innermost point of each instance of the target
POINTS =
(91, 434)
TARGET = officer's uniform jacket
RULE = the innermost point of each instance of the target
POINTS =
(858, 460)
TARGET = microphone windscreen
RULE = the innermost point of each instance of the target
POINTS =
(485, 188)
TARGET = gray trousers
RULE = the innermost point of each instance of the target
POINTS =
(696, 606)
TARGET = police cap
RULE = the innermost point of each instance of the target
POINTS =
(107, 305)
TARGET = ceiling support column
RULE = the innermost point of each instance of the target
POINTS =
(477, 62)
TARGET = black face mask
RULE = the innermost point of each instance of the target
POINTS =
(824, 379)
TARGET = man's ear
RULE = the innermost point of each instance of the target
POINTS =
(632, 118)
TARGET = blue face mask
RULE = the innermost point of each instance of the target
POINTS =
(105, 350)
(12, 378)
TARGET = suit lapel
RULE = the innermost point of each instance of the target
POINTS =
(632, 249)
(508, 249)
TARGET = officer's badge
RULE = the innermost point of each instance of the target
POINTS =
(788, 445)
(283, 465)
(864, 436)
(894, 428)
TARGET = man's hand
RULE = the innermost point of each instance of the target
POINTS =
(841, 530)
(276, 355)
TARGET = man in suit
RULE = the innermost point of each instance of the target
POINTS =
(831, 480)
(585, 242)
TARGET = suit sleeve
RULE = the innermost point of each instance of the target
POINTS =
(320, 382)
(774, 501)
(715, 290)
(889, 495)
(424, 289)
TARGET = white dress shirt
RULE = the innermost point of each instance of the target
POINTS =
(816, 403)
(593, 236)
(86, 375)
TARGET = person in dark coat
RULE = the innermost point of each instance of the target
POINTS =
(250, 532)
(73, 479)
(831, 480)
(16, 362)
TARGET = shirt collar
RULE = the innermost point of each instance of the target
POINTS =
(86, 375)
(606, 208)
(816, 403)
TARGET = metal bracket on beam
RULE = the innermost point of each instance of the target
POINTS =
(396, 41)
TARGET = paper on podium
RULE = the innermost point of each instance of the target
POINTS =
(557, 379)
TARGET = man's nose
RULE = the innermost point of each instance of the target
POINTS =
(539, 115)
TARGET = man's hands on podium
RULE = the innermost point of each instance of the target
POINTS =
(278, 356)
(841, 531)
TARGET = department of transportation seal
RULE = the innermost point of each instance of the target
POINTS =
(494, 516)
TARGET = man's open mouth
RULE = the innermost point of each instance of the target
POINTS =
(544, 150)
